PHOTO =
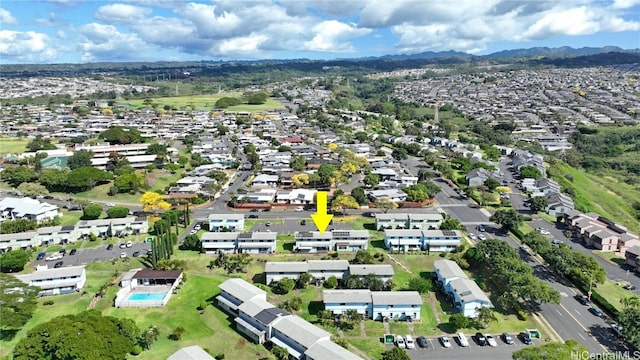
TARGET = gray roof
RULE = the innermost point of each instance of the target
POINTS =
(52, 273)
(258, 235)
(193, 352)
(219, 236)
(377, 269)
(267, 316)
(317, 265)
(432, 215)
(449, 269)
(226, 216)
(16, 236)
(313, 235)
(403, 232)
(254, 306)
(300, 330)
(396, 298)
(634, 250)
(346, 296)
(392, 216)
(286, 266)
(441, 233)
(326, 349)
(241, 289)
(468, 290)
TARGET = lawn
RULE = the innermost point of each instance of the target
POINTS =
(613, 293)
(610, 257)
(206, 102)
(374, 329)
(372, 347)
(285, 243)
(11, 145)
(70, 217)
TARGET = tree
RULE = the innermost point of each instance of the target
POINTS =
(298, 163)
(17, 226)
(395, 353)
(386, 204)
(450, 223)
(39, 143)
(417, 193)
(85, 178)
(325, 171)
(257, 98)
(94, 337)
(129, 182)
(509, 219)
(352, 316)
(177, 333)
(149, 336)
(491, 184)
(281, 353)
(552, 350)
(116, 212)
(91, 212)
(486, 316)
(362, 257)
(538, 203)
(118, 135)
(371, 180)
(530, 172)
(16, 175)
(54, 179)
(399, 153)
(303, 280)
(152, 201)
(419, 284)
(459, 321)
(331, 283)
(80, 158)
(32, 189)
(19, 302)
(284, 286)
(191, 242)
(300, 179)
(348, 168)
(13, 261)
(342, 202)
(155, 149)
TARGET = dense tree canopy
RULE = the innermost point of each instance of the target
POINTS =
(117, 212)
(509, 219)
(85, 178)
(551, 351)
(530, 172)
(14, 260)
(87, 335)
(80, 158)
(19, 302)
(16, 175)
(91, 212)
(118, 135)
(39, 143)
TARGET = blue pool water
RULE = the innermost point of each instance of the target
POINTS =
(146, 296)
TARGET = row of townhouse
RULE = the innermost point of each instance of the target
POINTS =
(253, 242)
(416, 240)
(56, 281)
(263, 322)
(423, 221)
(600, 232)
(376, 305)
(70, 233)
(632, 258)
(321, 270)
(466, 295)
(226, 222)
(557, 202)
(334, 240)
(12, 208)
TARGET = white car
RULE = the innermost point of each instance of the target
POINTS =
(129, 244)
(482, 237)
(110, 204)
(445, 342)
(400, 342)
(463, 340)
(491, 340)
(123, 255)
(543, 231)
(409, 342)
(299, 208)
(53, 257)
(473, 236)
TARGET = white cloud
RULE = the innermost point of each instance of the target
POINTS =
(6, 18)
(125, 13)
(105, 43)
(625, 4)
(26, 46)
(330, 36)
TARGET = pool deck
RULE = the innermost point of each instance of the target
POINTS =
(151, 289)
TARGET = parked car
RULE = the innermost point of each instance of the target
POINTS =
(482, 228)
(400, 342)
(480, 339)
(491, 340)
(268, 223)
(197, 227)
(596, 311)
(409, 342)
(445, 341)
(63, 251)
(299, 208)
(110, 247)
(507, 338)
(482, 237)
(123, 255)
(254, 210)
(129, 244)
(58, 264)
(53, 257)
(41, 256)
(136, 253)
(582, 299)
(630, 287)
(472, 236)
(543, 231)
(617, 330)
(303, 222)
(556, 241)
(253, 216)
(149, 252)
(193, 232)
(72, 252)
(122, 245)
(525, 338)
(422, 341)
(462, 340)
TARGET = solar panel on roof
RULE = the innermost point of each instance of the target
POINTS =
(245, 235)
(448, 233)
(340, 233)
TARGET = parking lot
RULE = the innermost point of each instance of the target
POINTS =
(100, 253)
(435, 350)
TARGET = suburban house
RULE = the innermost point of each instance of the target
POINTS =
(226, 222)
(235, 292)
(313, 241)
(219, 242)
(465, 294)
(422, 221)
(395, 195)
(600, 232)
(257, 242)
(296, 196)
(56, 281)
(112, 227)
(477, 177)
(26, 208)
(324, 269)
(416, 240)
(264, 180)
(339, 301)
(349, 240)
(558, 204)
(632, 257)
(193, 352)
(147, 287)
(397, 305)
(262, 322)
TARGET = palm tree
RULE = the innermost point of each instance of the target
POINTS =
(352, 315)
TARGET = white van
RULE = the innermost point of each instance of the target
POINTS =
(409, 342)
(463, 340)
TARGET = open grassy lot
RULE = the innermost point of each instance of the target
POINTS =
(613, 292)
(12, 145)
(610, 257)
(204, 102)
(605, 195)
(372, 347)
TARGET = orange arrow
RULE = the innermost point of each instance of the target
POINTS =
(321, 218)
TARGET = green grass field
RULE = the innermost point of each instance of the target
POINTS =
(11, 145)
(203, 102)
(605, 195)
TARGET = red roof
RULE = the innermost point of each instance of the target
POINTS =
(291, 140)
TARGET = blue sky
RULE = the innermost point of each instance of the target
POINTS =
(80, 31)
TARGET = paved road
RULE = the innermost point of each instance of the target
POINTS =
(100, 253)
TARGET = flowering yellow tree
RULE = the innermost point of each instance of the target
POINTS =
(332, 146)
(300, 179)
(348, 168)
(152, 201)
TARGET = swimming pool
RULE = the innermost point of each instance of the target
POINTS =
(146, 296)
